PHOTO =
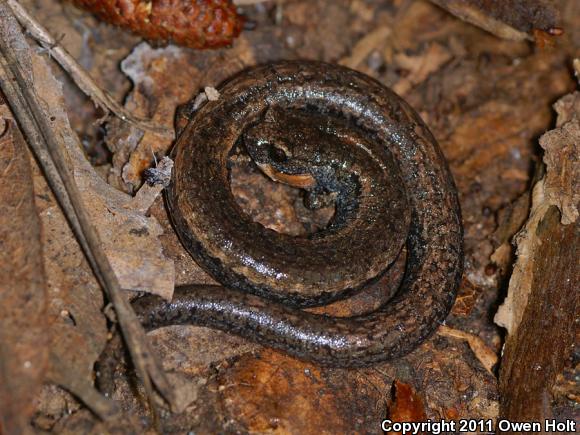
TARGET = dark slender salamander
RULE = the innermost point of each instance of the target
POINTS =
(338, 134)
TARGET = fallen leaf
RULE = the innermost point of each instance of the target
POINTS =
(130, 238)
(23, 302)
(407, 407)
(71, 357)
(466, 298)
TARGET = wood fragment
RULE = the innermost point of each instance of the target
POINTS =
(484, 354)
(420, 67)
(514, 19)
(537, 352)
(365, 46)
(543, 302)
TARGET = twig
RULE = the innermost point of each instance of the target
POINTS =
(101, 98)
(35, 123)
(102, 406)
(248, 2)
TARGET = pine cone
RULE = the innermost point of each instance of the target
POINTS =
(193, 23)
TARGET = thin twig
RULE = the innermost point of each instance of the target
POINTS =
(248, 2)
(35, 123)
(100, 97)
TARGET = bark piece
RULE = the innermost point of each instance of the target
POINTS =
(543, 302)
(538, 351)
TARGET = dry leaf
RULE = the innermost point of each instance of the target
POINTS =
(163, 79)
(278, 394)
(72, 355)
(407, 407)
(130, 238)
(23, 324)
(466, 298)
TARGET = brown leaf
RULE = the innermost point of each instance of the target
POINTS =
(130, 238)
(282, 395)
(466, 298)
(45, 102)
(163, 79)
(407, 407)
(75, 320)
(23, 325)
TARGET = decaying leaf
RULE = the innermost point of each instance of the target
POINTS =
(24, 337)
(276, 393)
(130, 238)
(32, 89)
(407, 406)
(75, 300)
(466, 298)
(163, 79)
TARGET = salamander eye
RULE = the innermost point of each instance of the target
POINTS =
(277, 154)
